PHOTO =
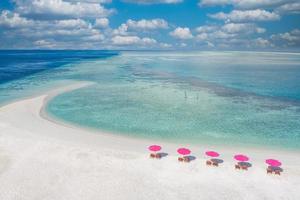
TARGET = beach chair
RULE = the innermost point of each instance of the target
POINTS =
(208, 162)
(180, 159)
(215, 164)
(277, 172)
(237, 167)
(269, 171)
(186, 159)
(152, 155)
(158, 156)
(244, 167)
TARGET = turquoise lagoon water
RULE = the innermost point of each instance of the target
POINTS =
(240, 98)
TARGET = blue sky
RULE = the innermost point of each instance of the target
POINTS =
(151, 24)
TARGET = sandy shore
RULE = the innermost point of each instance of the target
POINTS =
(41, 159)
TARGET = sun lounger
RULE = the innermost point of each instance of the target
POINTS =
(186, 159)
(208, 162)
(244, 167)
(152, 155)
(237, 167)
(155, 149)
(269, 171)
(212, 163)
(180, 159)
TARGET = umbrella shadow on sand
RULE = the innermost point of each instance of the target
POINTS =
(217, 160)
(245, 164)
(190, 158)
(162, 154)
(276, 168)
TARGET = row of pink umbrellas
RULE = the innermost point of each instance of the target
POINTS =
(238, 157)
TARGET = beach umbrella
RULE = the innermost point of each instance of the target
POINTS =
(273, 162)
(183, 151)
(154, 148)
(212, 154)
(241, 157)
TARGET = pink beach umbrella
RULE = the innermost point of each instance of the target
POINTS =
(183, 151)
(241, 158)
(273, 162)
(212, 154)
(154, 148)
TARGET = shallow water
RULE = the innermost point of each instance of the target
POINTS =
(232, 98)
(216, 98)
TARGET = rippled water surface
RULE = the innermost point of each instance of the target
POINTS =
(245, 98)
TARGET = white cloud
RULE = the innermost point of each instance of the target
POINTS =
(202, 36)
(206, 28)
(246, 15)
(85, 23)
(101, 23)
(42, 33)
(121, 30)
(238, 36)
(245, 4)
(73, 32)
(279, 6)
(132, 26)
(291, 38)
(141, 25)
(94, 37)
(54, 44)
(58, 9)
(54, 24)
(90, 1)
(71, 23)
(289, 8)
(213, 32)
(230, 35)
(147, 24)
(222, 35)
(43, 44)
(210, 44)
(12, 20)
(65, 34)
(263, 43)
(182, 33)
(228, 30)
(165, 45)
(149, 41)
(242, 27)
(132, 40)
(182, 44)
(153, 1)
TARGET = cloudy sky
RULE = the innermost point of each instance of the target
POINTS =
(150, 24)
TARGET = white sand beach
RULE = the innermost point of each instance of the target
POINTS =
(41, 159)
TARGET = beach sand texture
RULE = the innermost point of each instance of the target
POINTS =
(41, 159)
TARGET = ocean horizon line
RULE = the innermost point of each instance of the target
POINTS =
(158, 50)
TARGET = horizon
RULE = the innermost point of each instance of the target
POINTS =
(160, 50)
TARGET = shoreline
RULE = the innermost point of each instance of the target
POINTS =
(39, 155)
(52, 93)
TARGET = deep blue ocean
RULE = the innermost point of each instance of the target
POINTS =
(240, 98)
(16, 64)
